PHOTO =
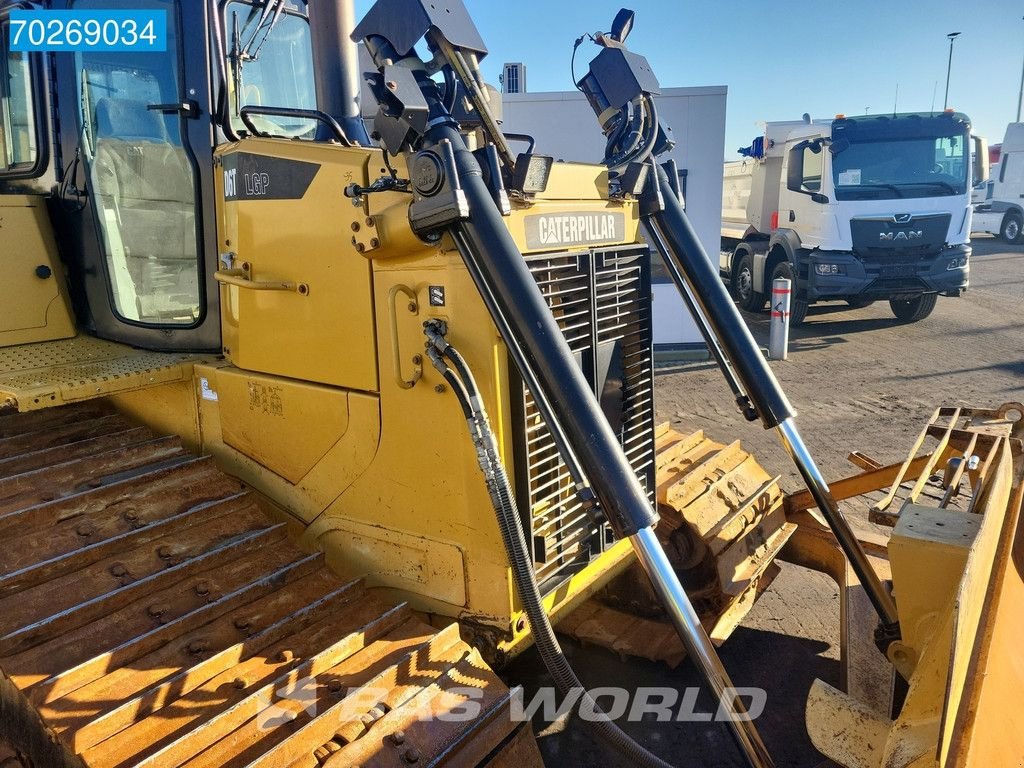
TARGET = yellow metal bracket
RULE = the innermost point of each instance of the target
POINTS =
(396, 352)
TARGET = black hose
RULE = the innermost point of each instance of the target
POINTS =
(451, 90)
(503, 500)
(633, 136)
(642, 147)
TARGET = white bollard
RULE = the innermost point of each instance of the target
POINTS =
(778, 335)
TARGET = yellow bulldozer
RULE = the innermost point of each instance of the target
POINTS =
(307, 430)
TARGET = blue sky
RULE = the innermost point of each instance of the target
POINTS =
(782, 59)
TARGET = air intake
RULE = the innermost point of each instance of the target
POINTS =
(601, 300)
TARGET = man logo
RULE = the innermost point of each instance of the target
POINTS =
(902, 218)
(902, 236)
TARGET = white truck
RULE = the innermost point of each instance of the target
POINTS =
(1000, 211)
(854, 209)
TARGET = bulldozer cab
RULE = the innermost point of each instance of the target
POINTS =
(118, 134)
(127, 140)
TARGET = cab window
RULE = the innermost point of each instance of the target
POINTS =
(18, 129)
(270, 64)
(812, 170)
(142, 179)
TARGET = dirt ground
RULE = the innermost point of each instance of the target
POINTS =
(858, 381)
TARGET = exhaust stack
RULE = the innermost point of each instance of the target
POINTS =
(336, 65)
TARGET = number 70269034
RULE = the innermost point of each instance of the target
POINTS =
(91, 30)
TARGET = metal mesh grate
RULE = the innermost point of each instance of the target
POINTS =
(601, 300)
(55, 372)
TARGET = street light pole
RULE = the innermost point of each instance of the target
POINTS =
(1020, 96)
(952, 36)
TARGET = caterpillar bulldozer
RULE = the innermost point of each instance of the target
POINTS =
(306, 430)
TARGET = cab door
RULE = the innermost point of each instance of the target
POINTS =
(137, 143)
(33, 299)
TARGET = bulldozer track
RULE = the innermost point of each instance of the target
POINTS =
(152, 615)
(722, 525)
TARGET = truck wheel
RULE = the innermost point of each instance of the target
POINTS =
(743, 286)
(912, 310)
(1011, 228)
(797, 308)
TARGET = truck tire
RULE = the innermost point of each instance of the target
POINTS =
(1012, 229)
(743, 287)
(912, 310)
(797, 307)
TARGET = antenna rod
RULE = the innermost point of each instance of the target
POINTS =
(949, 66)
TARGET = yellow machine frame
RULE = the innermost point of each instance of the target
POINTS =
(323, 403)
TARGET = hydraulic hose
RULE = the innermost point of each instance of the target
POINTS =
(503, 500)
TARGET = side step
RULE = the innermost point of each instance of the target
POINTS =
(722, 525)
(150, 615)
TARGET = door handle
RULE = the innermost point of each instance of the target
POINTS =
(396, 351)
(186, 108)
(242, 278)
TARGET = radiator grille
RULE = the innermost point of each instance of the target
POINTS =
(602, 302)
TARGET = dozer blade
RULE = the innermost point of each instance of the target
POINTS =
(722, 525)
(151, 615)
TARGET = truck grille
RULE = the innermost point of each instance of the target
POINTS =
(601, 300)
(917, 238)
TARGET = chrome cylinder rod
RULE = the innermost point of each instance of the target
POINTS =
(698, 645)
(818, 487)
(693, 272)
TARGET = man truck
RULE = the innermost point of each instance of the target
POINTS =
(1001, 211)
(854, 209)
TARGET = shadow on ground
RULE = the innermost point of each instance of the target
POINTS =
(783, 665)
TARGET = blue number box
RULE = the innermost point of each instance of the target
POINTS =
(92, 30)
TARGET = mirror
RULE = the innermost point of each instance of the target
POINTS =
(980, 167)
(839, 145)
(805, 168)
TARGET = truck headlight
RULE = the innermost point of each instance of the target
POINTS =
(830, 269)
(957, 263)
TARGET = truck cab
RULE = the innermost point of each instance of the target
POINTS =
(855, 210)
(1000, 211)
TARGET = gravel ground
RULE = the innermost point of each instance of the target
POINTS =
(858, 381)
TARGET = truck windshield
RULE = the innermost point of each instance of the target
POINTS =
(905, 156)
